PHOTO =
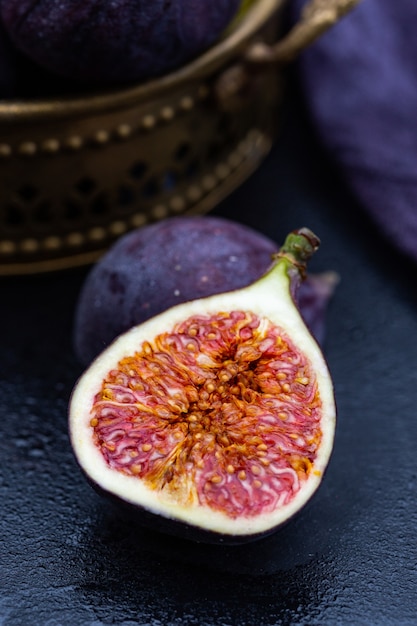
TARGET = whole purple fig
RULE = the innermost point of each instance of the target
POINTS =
(177, 260)
(115, 41)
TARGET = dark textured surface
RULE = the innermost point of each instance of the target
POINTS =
(349, 558)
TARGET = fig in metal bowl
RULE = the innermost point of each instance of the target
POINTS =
(114, 42)
(215, 419)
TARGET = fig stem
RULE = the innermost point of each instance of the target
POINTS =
(298, 247)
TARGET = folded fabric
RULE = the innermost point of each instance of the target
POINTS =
(359, 81)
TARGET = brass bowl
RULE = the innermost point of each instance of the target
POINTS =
(76, 173)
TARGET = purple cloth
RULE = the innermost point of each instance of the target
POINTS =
(359, 81)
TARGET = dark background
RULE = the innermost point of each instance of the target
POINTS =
(349, 558)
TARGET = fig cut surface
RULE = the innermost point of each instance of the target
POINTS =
(217, 415)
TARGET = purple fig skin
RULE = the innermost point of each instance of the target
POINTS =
(8, 64)
(313, 299)
(176, 260)
(20, 77)
(114, 41)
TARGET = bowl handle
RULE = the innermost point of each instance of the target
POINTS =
(316, 17)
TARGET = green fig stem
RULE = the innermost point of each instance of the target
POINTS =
(297, 249)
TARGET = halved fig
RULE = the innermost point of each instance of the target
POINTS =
(215, 419)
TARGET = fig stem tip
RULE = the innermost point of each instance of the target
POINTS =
(298, 247)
